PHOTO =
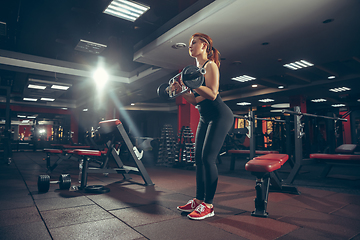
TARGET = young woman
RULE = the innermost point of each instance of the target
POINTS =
(216, 120)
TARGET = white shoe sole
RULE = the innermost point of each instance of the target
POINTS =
(185, 210)
(203, 217)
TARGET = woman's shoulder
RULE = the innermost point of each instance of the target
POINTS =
(210, 64)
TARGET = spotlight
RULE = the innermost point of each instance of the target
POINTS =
(100, 77)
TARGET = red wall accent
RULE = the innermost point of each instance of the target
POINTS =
(298, 100)
(347, 129)
(74, 116)
(188, 115)
(25, 129)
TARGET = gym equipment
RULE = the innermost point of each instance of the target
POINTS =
(167, 146)
(251, 118)
(64, 152)
(299, 133)
(44, 182)
(191, 76)
(111, 132)
(345, 155)
(185, 153)
(264, 168)
(234, 153)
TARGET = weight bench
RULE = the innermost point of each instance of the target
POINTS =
(62, 154)
(264, 168)
(234, 153)
(114, 131)
(345, 154)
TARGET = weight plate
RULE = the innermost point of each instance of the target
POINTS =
(191, 77)
(43, 183)
(96, 189)
(161, 91)
(64, 181)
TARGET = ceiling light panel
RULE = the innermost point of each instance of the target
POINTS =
(318, 100)
(36, 86)
(30, 99)
(48, 99)
(338, 105)
(125, 9)
(340, 89)
(90, 47)
(298, 65)
(243, 78)
(243, 103)
(266, 100)
(60, 87)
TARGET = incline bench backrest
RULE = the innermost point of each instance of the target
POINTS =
(108, 126)
(346, 148)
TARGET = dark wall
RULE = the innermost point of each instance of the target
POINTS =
(355, 126)
(138, 123)
(150, 123)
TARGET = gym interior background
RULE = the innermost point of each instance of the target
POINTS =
(275, 55)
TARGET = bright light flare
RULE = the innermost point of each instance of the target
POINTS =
(101, 77)
(42, 131)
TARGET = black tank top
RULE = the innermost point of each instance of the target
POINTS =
(204, 84)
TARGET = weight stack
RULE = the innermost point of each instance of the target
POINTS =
(186, 147)
(167, 144)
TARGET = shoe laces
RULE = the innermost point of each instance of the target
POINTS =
(192, 202)
(200, 208)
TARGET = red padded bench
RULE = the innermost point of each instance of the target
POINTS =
(234, 153)
(63, 154)
(345, 155)
(264, 168)
(67, 146)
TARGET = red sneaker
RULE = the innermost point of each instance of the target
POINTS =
(201, 212)
(189, 207)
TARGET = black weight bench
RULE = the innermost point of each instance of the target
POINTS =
(112, 132)
(235, 153)
(264, 168)
(344, 155)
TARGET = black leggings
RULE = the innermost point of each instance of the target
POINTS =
(216, 120)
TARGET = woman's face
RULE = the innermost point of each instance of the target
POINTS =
(196, 47)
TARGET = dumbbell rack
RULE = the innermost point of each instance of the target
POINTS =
(185, 154)
(167, 145)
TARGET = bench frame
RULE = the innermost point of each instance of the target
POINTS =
(268, 181)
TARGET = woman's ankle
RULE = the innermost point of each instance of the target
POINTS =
(209, 205)
(199, 201)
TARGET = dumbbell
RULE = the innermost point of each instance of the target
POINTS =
(44, 182)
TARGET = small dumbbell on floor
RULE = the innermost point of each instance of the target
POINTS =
(44, 182)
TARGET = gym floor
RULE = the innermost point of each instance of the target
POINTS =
(326, 209)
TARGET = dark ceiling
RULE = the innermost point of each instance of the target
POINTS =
(52, 29)
(38, 41)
